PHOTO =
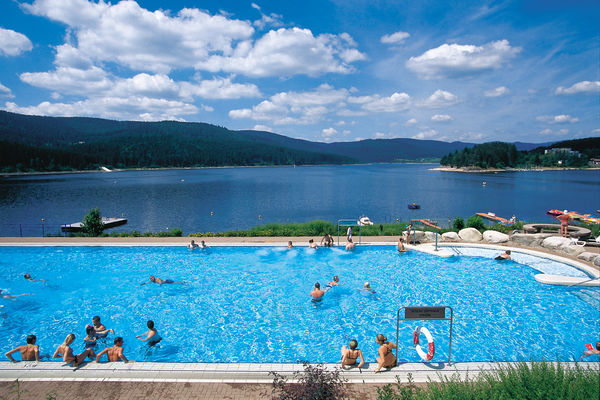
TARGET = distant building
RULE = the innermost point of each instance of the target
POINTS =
(563, 150)
(594, 162)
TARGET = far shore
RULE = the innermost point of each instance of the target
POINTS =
(494, 170)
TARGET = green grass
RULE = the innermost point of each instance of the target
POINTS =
(531, 381)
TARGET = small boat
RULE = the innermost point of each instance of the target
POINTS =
(414, 206)
(554, 213)
(364, 221)
(107, 222)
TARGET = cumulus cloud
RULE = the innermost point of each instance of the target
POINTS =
(266, 20)
(499, 91)
(394, 103)
(260, 127)
(5, 92)
(441, 118)
(329, 133)
(13, 43)
(455, 60)
(557, 119)
(439, 99)
(580, 87)
(380, 135)
(411, 121)
(546, 131)
(395, 38)
(426, 134)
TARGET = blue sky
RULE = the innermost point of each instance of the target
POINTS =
(338, 70)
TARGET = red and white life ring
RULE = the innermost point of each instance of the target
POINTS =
(424, 356)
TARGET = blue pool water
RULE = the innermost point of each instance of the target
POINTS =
(251, 304)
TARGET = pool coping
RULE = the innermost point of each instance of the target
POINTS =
(240, 372)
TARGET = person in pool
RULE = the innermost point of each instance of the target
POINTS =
(90, 339)
(66, 352)
(29, 351)
(203, 245)
(591, 351)
(100, 330)
(367, 288)
(32, 279)
(401, 248)
(386, 357)
(312, 244)
(317, 293)
(504, 256)
(334, 282)
(114, 353)
(12, 296)
(350, 245)
(290, 245)
(351, 354)
(152, 336)
(153, 279)
(193, 245)
(327, 240)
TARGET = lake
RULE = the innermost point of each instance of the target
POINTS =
(219, 199)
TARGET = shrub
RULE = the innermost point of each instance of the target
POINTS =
(314, 383)
(92, 223)
(458, 223)
(475, 221)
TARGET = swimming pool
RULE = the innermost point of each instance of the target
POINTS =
(251, 304)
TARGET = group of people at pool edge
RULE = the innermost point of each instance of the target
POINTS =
(30, 350)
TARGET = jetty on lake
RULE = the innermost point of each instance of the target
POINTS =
(107, 222)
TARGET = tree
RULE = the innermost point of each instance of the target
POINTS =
(92, 223)
(475, 221)
(458, 223)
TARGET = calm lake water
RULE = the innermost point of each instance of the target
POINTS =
(221, 199)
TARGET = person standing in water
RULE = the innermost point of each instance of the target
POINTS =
(152, 336)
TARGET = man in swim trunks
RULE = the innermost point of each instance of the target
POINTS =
(351, 354)
(317, 293)
(564, 219)
(504, 256)
(161, 281)
(29, 351)
(350, 245)
(401, 246)
(290, 245)
(327, 240)
(386, 357)
(152, 336)
(114, 353)
(334, 282)
(32, 279)
(312, 244)
(100, 329)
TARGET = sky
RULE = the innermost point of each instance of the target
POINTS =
(321, 70)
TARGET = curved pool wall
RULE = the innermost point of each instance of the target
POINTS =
(495, 305)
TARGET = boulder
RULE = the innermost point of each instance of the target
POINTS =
(450, 237)
(495, 237)
(430, 237)
(529, 240)
(597, 261)
(587, 256)
(556, 243)
(573, 250)
(470, 235)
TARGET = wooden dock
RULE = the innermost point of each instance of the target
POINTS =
(108, 223)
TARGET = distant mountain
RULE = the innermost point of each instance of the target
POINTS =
(60, 143)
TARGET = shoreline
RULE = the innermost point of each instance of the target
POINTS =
(495, 170)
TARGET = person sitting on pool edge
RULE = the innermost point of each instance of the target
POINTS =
(312, 244)
(350, 245)
(152, 336)
(386, 357)
(114, 353)
(66, 352)
(32, 279)
(290, 245)
(317, 293)
(161, 281)
(504, 256)
(29, 351)
(100, 330)
(351, 354)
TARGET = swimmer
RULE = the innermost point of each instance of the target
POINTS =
(350, 245)
(100, 330)
(312, 244)
(351, 354)
(591, 351)
(66, 352)
(161, 281)
(386, 357)
(114, 353)
(327, 240)
(290, 245)
(152, 336)
(504, 256)
(193, 245)
(401, 248)
(32, 279)
(90, 339)
(317, 293)
(367, 288)
(12, 296)
(334, 282)
(29, 351)
(203, 245)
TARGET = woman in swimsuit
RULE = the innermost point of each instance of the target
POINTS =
(66, 352)
(386, 357)
(350, 354)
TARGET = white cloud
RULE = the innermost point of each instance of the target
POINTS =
(557, 119)
(497, 92)
(580, 87)
(394, 103)
(132, 108)
(563, 131)
(546, 131)
(439, 99)
(596, 131)
(70, 80)
(380, 135)
(411, 121)
(454, 60)
(260, 127)
(395, 38)
(441, 118)
(266, 20)
(427, 134)
(328, 132)
(219, 88)
(5, 92)
(13, 43)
